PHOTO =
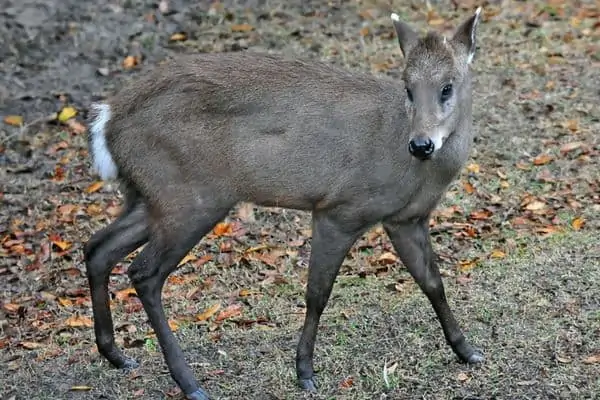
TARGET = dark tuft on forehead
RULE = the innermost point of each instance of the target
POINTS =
(433, 43)
(430, 54)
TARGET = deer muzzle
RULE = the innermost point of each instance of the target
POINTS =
(421, 147)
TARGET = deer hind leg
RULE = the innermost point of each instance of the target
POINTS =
(172, 235)
(104, 249)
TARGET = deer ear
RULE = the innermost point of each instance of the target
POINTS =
(466, 34)
(407, 37)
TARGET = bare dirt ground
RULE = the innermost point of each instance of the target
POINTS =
(517, 234)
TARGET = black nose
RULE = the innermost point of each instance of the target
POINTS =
(421, 147)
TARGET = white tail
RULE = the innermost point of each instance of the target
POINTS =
(103, 162)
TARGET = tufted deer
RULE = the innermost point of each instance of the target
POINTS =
(353, 149)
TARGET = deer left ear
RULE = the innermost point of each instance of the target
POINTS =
(466, 34)
(407, 37)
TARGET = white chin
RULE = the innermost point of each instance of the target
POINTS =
(438, 142)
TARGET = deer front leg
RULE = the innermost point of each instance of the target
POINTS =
(412, 243)
(331, 240)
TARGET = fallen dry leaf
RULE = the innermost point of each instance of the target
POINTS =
(178, 279)
(256, 248)
(572, 125)
(247, 292)
(542, 159)
(203, 260)
(77, 321)
(448, 212)
(123, 295)
(222, 228)
(71, 272)
(556, 59)
(568, 147)
(189, 257)
(462, 377)
(178, 37)
(368, 14)
(66, 114)
(523, 166)
(233, 310)
(467, 265)
(80, 388)
(562, 359)
(474, 168)
(63, 301)
(480, 215)
(94, 209)
(61, 244)
(578, 223)
(11, 307)
(14, 120)
(67, 208)
(209, 312)
(270, 258)
(225, 247)
(497, 254)
(173, 325)
(113, 210)
(94, 187)
(594, 359)
(402, 286)
(381, 67)
(130, 62)
(76, 126)
(242, 28)
(535, 205)
(433, 18)
(549, 229)
(347, 383)
(468, 188)
(387, 258)
(31, 345)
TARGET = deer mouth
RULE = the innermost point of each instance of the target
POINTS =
(421, 147)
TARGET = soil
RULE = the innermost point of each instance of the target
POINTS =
(516, 235)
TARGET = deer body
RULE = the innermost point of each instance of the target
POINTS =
(281, 144)
(204, 132)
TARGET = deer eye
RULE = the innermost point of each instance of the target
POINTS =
(446, 93)
(409, 95)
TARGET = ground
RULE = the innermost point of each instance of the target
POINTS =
(517, 233)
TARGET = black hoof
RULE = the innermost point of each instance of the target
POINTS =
(125, 363)
(471, 356)
(197, 395)
(476, 357)
(310, 385)
(467, 353)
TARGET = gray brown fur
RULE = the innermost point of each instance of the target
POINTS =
(204, 132)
